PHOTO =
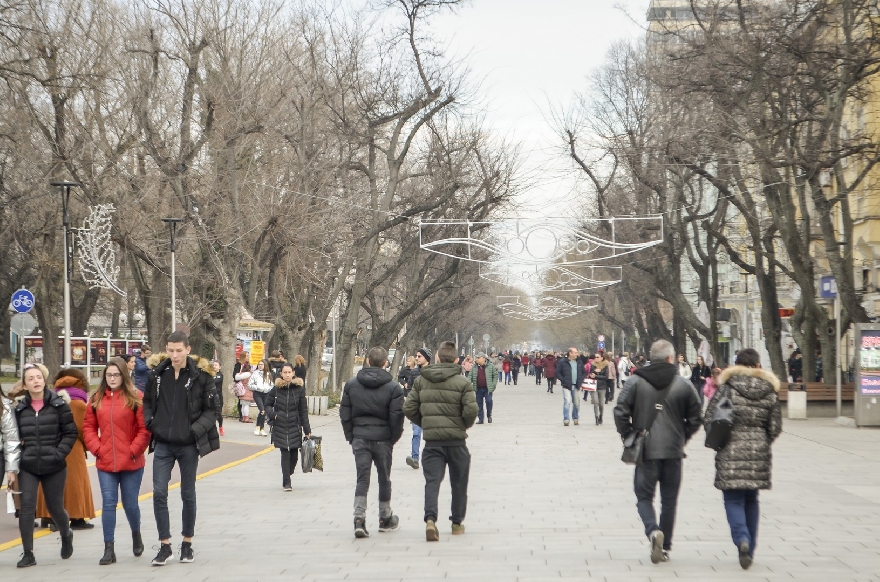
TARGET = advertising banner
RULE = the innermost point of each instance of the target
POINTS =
(258, 351)
(118, 347)
(99, 352)
(869, 363)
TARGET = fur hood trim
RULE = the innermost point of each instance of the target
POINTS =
(63, 394)
(296, 382)
(204, 365)
(155, 359)
(760, 373)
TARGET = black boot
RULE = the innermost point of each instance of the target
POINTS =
(597, 420)
(109, 554)
(600, 418)
(27, 560)
(137, 544)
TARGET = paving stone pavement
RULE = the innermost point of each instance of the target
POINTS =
(545, 502)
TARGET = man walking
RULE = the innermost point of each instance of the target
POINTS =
(483, 380)
(571, 375)
(656, 399)
(179, 409)
(442, 402)
(423, 358)
(141, 370)
(371, 412)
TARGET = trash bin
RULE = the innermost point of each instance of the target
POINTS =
(797, 402)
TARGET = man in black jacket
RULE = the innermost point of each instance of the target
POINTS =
(371, 412)
(571, 375)
(179, 410)
(658, 400)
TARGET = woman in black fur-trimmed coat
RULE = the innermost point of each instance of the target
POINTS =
(744, 465)
(287, 409)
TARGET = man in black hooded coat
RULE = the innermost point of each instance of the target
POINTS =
(371, 413)
(658, 392)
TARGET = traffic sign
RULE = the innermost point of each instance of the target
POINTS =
(601, 345)
(485, 337)
(22, 324)
(602, 339)
(22, 301)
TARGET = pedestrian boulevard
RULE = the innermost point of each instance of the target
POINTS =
(545, 502)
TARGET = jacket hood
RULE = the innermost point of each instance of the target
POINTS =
(752, 383)
(280, 383)
(154, 360)
(373, 377)
(205, 366)
(549, 357)
(71, 377)
(440, 372)
(659, 375)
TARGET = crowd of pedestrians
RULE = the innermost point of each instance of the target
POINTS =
(176, 416)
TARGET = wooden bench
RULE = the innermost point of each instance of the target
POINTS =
(818, 392)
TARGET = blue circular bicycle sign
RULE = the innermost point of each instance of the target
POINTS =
(22, 301)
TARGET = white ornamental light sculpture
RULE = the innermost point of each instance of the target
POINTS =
(97, 258)
(543, 241)
(553, 278)
(543, 308)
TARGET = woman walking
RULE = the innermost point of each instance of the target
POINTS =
(116, 436)
(515, 365)
(287, 409)
(241, 372)
(550, 371)
(48, 433)
(505, 367)
(538, 362)
(260, 384)
(597, 398)
(743, 466)
(612, 377)
(10, 443)
(72, 385)
(699, 375)
(299, 368)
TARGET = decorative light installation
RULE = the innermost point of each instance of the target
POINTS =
(553, 278)
(97, 258)
(542, 241)
(543, 308)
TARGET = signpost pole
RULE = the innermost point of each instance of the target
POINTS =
(837, 353)
(65, 221)
(172, 225)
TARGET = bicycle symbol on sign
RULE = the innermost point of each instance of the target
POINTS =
(22, 302)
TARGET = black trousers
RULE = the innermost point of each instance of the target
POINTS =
(538, 372)
(434, 463)
(367, 454)
(259, 400)
(53, 491)
(666, 472)
(288, 465)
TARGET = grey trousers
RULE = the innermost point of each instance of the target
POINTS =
(367, 454)
(597, 398)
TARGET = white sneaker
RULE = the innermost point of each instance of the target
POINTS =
(257, 431)
(263, 433)
(657, 547)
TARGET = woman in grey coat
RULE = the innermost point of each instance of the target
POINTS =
(743, 466)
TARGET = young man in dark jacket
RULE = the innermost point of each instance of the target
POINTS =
(179, 409)
(371, 412)
(658, 392)
(423, 358)
(443, 403)
(571, 375)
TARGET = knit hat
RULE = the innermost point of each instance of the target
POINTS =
(427, 353)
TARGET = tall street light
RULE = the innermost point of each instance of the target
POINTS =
(65, 187)
(172, 225)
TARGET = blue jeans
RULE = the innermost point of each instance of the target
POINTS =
(164, 457)
(111, 483)
(743, 513)
(570, 403)
(416, 440)
(483, 394)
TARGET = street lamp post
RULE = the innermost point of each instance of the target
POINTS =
(68, 263)
(172, 225)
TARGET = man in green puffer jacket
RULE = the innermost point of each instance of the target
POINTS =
(443, 403)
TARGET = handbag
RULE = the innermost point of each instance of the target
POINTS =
(589, 385)
(634, 442)
(719, 428)
(310, 454)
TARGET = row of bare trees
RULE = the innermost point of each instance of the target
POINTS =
(745, 126)
(299, 143)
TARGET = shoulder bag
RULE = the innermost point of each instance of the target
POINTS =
(634, 442)
(719, 428)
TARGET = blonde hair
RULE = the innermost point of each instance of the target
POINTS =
(299, 360)
(43, 370)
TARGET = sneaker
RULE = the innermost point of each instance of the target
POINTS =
(222, 432)
(360, 528)
(263, 432)
(67, 546)
(412, 462)
(165, 554)
(389, 523)
(665, 556)
(186, 553)
(479, 422)
(575, 422)
(81, 524)
(745, 560)
(257, 431)
(27, 560)
(287, 488)
(564, 423)
(457, 529)
(490, 420)
(432, 534)
(656, 538)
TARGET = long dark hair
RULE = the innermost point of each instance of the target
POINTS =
(132, 400)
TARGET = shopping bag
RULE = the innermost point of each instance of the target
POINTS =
(589, 385)
(319, 458)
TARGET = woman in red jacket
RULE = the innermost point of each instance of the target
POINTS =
(116, 435)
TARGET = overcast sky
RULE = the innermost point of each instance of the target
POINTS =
(532, 54)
